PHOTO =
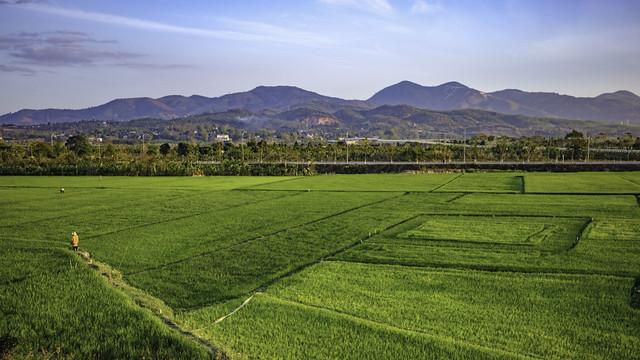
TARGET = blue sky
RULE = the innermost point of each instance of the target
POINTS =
(72, 54)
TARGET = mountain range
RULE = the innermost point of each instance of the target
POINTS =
(292, 103)
(620, 106)
(386, 121)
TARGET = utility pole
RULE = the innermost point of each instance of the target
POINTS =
(549, 150)
(464, 147)
(588, 147)
(242, 145)
(346, 141)
(142, 152)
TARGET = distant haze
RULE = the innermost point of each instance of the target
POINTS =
(75, 54)
(293, 103)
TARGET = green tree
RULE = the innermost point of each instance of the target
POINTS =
(42, 150)
(502, 148)
(204, 151)
(628, 141)
(576, 144)
(152, 150)
(164, 149)
(79, 144)
(184, 149)
(110, 151)
(59, 148)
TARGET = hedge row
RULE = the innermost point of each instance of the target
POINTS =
(140, 168)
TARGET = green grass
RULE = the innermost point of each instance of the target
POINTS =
(491, 229)
(235, 218)
(53, 305)
(20, 262)
(107, 211)
(633, 177)
(611, 206)
(588, 257)
(346, 266)
(600, 183)
(139, 183)
(512, 312)
(366, 182)
(616, 230)
(272, 328)
(231, 273)
(496, 182)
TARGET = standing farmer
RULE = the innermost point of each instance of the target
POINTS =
(75, 241)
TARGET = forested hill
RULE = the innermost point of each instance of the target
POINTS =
(619, 106)
(400, 121)
(616, 107)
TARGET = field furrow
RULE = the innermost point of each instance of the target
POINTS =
(422, 266)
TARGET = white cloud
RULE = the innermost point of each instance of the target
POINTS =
(374, 6)
(423, 7)
(275, 32)
(254, 32)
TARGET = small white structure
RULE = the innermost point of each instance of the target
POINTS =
(223, 137)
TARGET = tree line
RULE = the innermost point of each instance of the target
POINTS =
(78, 155)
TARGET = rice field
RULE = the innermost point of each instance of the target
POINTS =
(429, 266)
(520, 230)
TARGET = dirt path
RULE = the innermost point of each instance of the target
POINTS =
(244, 303)
(144, 300)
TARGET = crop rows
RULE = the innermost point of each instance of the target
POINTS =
(584, 183)
(366, 182)
(447, 237)
(470, 306)
(522, 230)
(52, 305)
(137, 183)
(231, 273)
(265, 328)
(474, 265)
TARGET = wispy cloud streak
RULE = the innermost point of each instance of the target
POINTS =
(150, 66)
(67, 48)
(275, 34)
(17, 69)
(59, 48)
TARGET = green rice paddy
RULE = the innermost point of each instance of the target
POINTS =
(429, 266)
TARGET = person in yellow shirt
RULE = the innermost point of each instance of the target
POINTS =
(75, 241)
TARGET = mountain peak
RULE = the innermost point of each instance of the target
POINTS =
(407, 83)
(623, 95)
(450, 84)
(626, 93)
(615, 106)
(447, 96)
(453, 84)
(263, 88)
